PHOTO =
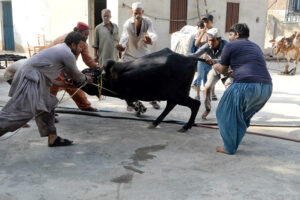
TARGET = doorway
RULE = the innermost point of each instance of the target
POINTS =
(98, 5)
(9, 42)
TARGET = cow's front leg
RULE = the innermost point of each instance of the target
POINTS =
(139, 108)
(287, 65)
(169, 107)
(293, 71)
(194, 106)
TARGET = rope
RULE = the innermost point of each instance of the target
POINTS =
(38, 114)
(210, 126)
(100, 86)
(105, 89)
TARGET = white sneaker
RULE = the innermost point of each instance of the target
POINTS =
(197, 98)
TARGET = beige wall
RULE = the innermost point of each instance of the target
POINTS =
(49, 17)
(277, 4)
(56, 17)
(249, 12)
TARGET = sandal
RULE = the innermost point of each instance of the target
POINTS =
(59, 143)
(214, 97)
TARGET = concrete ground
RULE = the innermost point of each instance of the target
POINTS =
(123, 159)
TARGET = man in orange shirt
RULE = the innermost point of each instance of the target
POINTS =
(80, 97)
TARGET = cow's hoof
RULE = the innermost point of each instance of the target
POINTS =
(152, 126)
(284, 73)
(138, 114)
(182, 130)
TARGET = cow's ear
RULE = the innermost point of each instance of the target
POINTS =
(108, 65)
(272, 41)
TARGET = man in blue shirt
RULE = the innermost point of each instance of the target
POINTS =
(250, 90)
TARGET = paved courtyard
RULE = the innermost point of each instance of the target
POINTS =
(123, 159)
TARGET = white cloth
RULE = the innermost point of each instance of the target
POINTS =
(12, 69)
(134, 44)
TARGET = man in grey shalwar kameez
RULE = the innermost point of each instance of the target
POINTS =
(30, 90)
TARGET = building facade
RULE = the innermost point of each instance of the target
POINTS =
(283, 20)
(53, 18)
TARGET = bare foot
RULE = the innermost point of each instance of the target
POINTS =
(204, 115)
(221, 150)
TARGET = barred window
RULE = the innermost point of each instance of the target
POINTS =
(294, 5)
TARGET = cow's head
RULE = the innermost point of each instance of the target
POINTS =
(283, 44)
(109, 69)
(280, 44)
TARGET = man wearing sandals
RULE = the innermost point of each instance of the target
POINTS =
(30, 96)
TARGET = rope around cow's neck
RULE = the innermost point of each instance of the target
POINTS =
(104, 88)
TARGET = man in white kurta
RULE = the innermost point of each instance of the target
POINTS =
(30, 90)
(138, 34)
(137, 37)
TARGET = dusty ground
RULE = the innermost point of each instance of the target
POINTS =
(122, 159)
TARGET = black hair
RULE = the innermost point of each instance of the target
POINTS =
(200, 24)
(241, 29)
(75, 29)
(74, 37)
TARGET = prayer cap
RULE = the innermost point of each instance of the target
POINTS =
(136, 5)
(213, 32)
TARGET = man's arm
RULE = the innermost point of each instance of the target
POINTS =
(198, 39)
(71, 69)
(151, 32)
(96, 44)
(62, 84)
(224, 64)
(222, 69)
(203, 49)
(124, 36)
(87, 59)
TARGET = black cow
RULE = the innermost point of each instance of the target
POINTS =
(163, 76)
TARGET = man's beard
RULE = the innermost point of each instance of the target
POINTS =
(138, 19)
(74, 52)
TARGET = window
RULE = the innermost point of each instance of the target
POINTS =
(178, 12)
(294, 6)
(232, 15)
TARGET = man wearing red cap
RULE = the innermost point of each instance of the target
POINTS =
(80, 97)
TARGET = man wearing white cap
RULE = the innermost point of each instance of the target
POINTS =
(137, 37)
(213, 48)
